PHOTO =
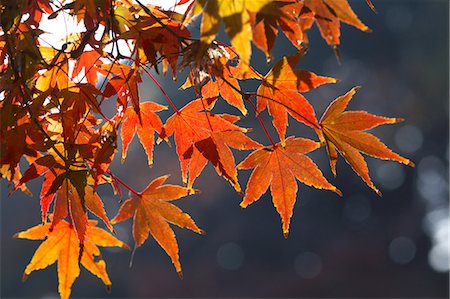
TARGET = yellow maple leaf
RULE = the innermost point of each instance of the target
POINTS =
(235, 15)
(61, 244)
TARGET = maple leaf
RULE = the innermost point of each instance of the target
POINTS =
(14, 176)
(228, 87)
(39, 167)
(79, 99)
(61, 244)
(124, 84)
(235, 15)
(202, 136)
(47, 195)
(58, 74)
(265, 25)
(152, 212)
(149, 122)
(104, 145)
(216, 74)
(328, 14)
(372, 7)
(216, 149)
(72, 200)
(214, 60)
(89, 61)
(279, 92)
(278, 167)
(343, 132)
(156, 33)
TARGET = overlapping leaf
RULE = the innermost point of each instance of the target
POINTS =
(202, 136)
(152, 212)
(344, 133)
(279, 92)
(217, 74)
(156, 33)
(88, 63)
(278, 167)
(73, 201)
(61, 244)
(328, 14)
(265, 25)
(144, 127)
(124, 84)
(235, 15)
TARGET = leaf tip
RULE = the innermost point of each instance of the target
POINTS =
(16, 236)
(201, 232)
(338, 192)
(26, 191)
(378, 192)
(372, 7)
(193, 191)
(108, 288)
(180, 274)
(243, 204)
(337, 53)
(24, 277)
(410, 163)
(285, 234)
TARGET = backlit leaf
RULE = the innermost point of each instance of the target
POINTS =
(61, 244)
(278, 167)
(152, 212)
(343, 132)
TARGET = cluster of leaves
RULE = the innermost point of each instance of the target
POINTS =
(51, 115)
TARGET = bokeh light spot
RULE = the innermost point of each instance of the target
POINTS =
(391, 175)
(409, 139)
(230, 256)
(308, 265)
(431, 184)
(402, 250)
(438, 257)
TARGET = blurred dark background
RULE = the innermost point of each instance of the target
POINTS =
(356, 246)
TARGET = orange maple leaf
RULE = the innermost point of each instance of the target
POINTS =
(265, 25)
(61, 244)
(278, 167)
(200, 134)
(124, 84)
(216, 75)
(89, 61)
(343, 132)
(145, 129)
(328, 14)
(74, 201)
(152, 212)
(279, 92)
